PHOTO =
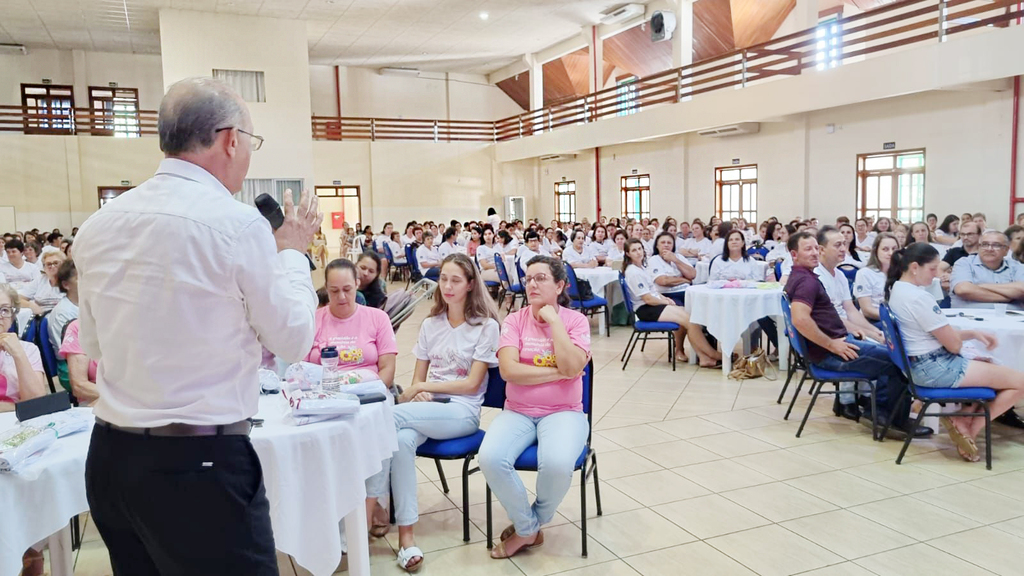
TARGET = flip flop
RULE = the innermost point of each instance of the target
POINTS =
(405, 556)
(499, 552)
(964, 445)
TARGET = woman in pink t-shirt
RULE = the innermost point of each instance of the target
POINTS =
(21, 367)
(542, 353)
(81, 370)
(363, 335)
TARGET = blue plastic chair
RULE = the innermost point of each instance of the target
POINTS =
(758, 253)
(928, 396)
(466, 447)
(778, 270)
(850, 271)
(642, 330)
(37, 334)
(528, 461)
(402, 269)
(414, 265)
(590, 306)
(516, 290)
(821, 376)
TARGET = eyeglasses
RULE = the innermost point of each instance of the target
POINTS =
(257, 141)
(6, 312)
(539, 278)
(52, 264)
(993, 246)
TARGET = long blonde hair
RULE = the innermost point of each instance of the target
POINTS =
(479, 305)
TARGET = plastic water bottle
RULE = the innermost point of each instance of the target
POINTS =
(329, 361)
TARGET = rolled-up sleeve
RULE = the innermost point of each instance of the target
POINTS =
(279, 297)
(961, 273)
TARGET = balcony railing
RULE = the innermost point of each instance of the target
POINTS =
(831, 44)
(71, 121)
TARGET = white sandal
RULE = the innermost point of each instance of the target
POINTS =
(406, 555)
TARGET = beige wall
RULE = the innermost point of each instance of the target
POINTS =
(82, 69)
(195, 43)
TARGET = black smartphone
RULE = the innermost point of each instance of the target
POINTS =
(444, 400)
(372, 398)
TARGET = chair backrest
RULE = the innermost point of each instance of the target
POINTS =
(388, 254)
(499, 265)
(795, 339)
(573, 288)
(850, 271)
(894, 342)
(519, 273)
(31, 330)
(410, 256)
(778, 270)
(625, 294)
(46, 348)
(494, 397)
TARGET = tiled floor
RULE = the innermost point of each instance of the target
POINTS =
(701, 475)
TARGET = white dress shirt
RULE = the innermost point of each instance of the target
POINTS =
(178, 327)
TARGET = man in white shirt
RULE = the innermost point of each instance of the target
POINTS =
(18, 271)
(178, 330)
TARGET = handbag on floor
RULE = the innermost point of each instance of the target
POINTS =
(754, 365)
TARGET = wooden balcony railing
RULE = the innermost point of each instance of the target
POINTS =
(350, 128)
(70, 121)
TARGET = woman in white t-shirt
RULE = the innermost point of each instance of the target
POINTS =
(397, 251)
(934, 346)
(577, 255)
(457, 343)
(734, 263)
(869, 285)
(508, 245)
(383, 237)
(617, 251)
(447, 246)
(853, 257)
(428, 258)
(698, 244)
(864, 238)
(947, 232)
(650, 306)
(485, 256)
(672, 274)
(600, 245)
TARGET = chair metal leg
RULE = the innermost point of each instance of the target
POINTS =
(644, 345)
(633, 347)
(608, 321)
(988, 437)
(892, 415)
(490, 528)
(465, 499)
(628, 342)
(910, 435)
(583, 505)
(796, 393)
(789, 376)
(672, 349)
(817, 386)
(440, 472)
(597, 485)
(874, 412)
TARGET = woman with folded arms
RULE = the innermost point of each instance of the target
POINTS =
(934, 346)
(456, 346)
(650, 306)
(576, 254)
(672, 274)
(543, 350)
(600, 244)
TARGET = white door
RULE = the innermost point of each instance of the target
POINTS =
(515, 208)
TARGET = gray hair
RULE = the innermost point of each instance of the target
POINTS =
(12, 295)
(192, 110)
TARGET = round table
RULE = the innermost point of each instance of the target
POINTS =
(1008, 329)
(39, 502)
(315, 477)
(728, 313)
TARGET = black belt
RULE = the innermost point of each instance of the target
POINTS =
(241, 428)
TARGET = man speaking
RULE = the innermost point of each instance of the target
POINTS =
(180, 286)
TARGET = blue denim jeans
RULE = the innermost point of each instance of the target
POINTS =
(872, 360)
(560, 440)
(416, 422)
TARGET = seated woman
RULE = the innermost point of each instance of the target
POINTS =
(529, 250)
(67, 309)
(696, 245)
(21, 366)
(869, 285)
(919, 232)
(474, 241)
(934, 346)
(448, 245)
(543, 350)
(43, 294)
(947, 232)
(649, 306)
(81, 371)
(509, 245)
(600, 244)
(852, 255)
(485, 255)
(734, 264)
(428, 258)
(576, 254)
(617, 252)
(371, 286)
(672, 274)
(397, 249)
(456, 346)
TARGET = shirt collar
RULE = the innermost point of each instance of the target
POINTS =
(189, 171)
(976, 261)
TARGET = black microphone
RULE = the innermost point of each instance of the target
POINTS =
(271, 210)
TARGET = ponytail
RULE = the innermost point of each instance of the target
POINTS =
(917, 252)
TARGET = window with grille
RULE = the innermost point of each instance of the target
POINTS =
(736, 192)
(829, 44)
(626, 96)
(565, 201)
(50, 108)
(350, 204)
(636, 196)
(891, 184)
(115, 111)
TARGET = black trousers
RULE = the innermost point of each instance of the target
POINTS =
(180, 506)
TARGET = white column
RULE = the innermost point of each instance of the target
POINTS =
(596, 58)
(806, 12)
(682, 38)
(536, 81)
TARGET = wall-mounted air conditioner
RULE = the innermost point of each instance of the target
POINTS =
(622, 14)
(732, 130)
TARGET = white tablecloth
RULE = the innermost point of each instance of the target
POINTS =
(704, 270)
(1008, 329)
(728, 313)
(315, 477)
(40, 501)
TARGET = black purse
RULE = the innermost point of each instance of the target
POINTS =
(586, 292)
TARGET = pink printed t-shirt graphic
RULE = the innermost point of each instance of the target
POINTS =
(361, 339)
(536, 347)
